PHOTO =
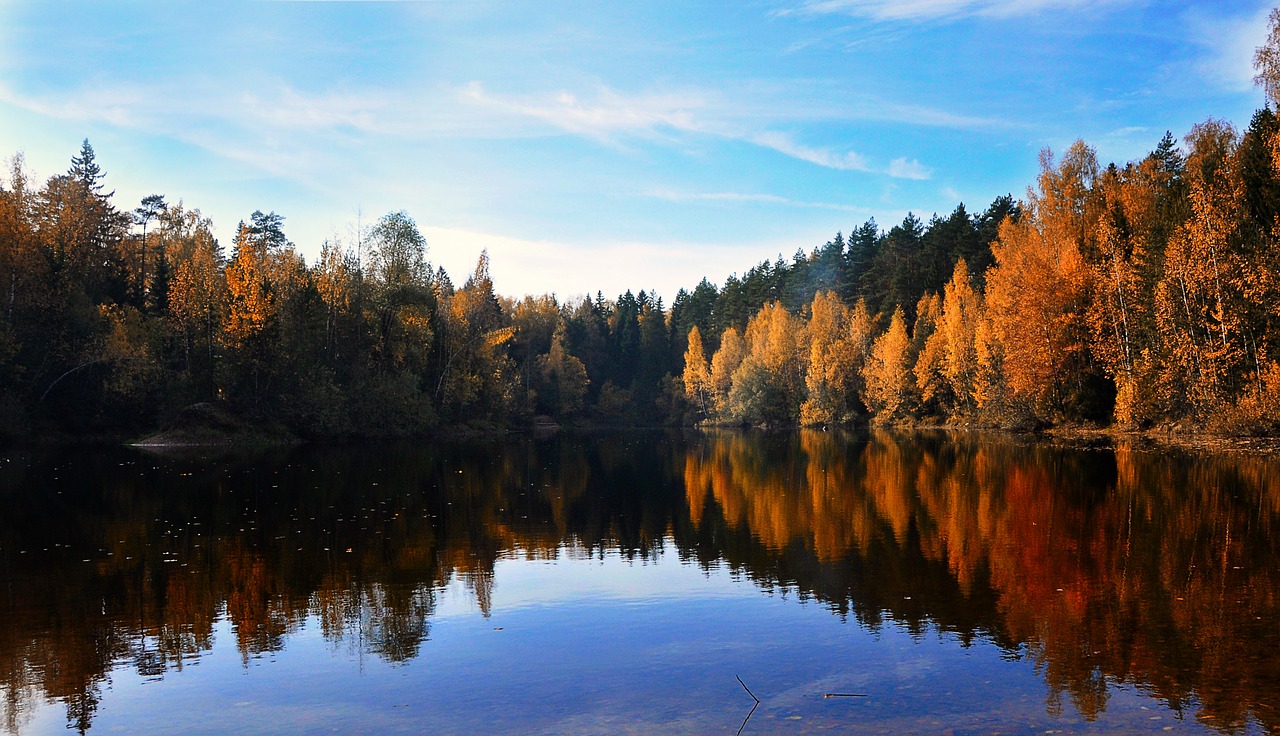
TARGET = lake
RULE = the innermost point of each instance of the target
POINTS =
(642, 582)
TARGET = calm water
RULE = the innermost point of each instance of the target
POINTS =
(623, 583)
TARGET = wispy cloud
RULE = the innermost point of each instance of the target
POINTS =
(274, 133)
(606, 114)
(750, 198)
(609, 114)
(273, 128)
(888, 111)
(901, 168)
(1229, 44)
(903, 10)
(1127, 131)
(782, 143)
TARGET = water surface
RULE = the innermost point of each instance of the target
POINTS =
(624, 583)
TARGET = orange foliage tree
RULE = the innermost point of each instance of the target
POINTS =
(890, 383)
(1037, 290)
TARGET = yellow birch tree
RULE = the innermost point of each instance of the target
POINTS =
(1037, 289)
(768, 386)
(832, 359)
(723, 365)
(697, 374)
(888, 375)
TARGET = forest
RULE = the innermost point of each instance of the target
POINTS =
(1138, 295)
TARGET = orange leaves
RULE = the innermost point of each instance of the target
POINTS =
(251, 301)
(1119, 315)
(961, 311)
(834, 361)
(769, 383)
(1037, 289)
(723, 365)
(564, 375)
(888, 375)
(697, 373)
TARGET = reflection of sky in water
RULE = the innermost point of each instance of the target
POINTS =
(590, 645)
(521, 582)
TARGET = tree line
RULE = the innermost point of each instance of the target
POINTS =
(116, 319)
(1142, 294)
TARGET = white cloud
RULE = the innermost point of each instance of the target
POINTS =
(927, 116)
(782, 143)
(750, 198)
(274, 133)
(903, 10)
(901, 168)
(1229, 44)
(608, 113)
(1128, 131)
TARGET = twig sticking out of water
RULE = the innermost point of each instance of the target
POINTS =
(753, 708)
(744, 687)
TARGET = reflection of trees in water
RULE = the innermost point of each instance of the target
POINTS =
(1100, 566)
(360, 541)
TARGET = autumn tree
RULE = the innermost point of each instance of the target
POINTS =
(340, 281)
(198, 294)
(724, 363)
(1037, 290)
(1120, 319)
(473, 364)
(931, 387)
(1201, 309)
(887, 374)
(947, 365)
(863, 326)
(564, 378)
(768, 386)
(26, 296)
(697, 374)
(259, 272)
(833, 362)
(534, 323)
(1266, 60)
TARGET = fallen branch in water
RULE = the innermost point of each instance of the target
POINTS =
(753, 708)
(744, 687)
(845, 695)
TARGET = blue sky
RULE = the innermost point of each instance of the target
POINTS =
(607, 145)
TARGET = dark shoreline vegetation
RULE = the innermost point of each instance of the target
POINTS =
(1134, 297)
